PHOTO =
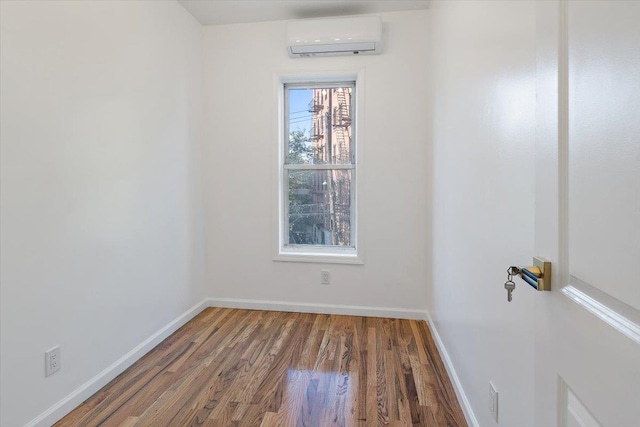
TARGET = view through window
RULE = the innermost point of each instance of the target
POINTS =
(319, 164)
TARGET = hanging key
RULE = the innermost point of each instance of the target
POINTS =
(509, 285)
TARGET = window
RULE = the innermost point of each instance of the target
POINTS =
(318, 173)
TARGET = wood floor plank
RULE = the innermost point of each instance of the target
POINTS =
(248, 368)
(372, 396)
(129, 422)
(381, 375)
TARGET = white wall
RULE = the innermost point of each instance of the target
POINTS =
(241, 143)
(101, 207)
(482, 125)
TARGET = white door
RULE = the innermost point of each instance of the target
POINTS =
(587, 350)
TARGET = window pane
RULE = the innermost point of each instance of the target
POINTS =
(320, 125)
(320, 207)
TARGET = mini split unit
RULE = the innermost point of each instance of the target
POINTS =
(335, 36)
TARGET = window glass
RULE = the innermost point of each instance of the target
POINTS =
(319, 165)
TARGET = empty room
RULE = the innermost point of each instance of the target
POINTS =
(320, 213)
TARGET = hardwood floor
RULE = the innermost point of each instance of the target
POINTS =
(260, 368)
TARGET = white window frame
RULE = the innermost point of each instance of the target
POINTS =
(320, 253)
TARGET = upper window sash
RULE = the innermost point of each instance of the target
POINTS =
(332, 119)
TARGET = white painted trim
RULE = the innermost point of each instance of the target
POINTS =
(604, 312)
(457, 385)
(319, 75)
(572, 406)
(302, 307)
(82, 393)
(320, 167)
(324, 258)
(563, 145)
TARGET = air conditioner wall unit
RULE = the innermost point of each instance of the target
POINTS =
(334, 36)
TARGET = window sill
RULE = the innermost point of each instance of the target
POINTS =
(324, 258)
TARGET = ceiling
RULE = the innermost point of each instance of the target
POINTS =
(215, 12)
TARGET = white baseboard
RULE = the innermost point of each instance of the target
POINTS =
(82, 393)
(462, 397)
(302, 307)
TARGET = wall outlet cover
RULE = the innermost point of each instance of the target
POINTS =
(52, 361)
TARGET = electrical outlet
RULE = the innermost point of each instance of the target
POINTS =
(325, 277)
(493, 401)
(52, 361)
